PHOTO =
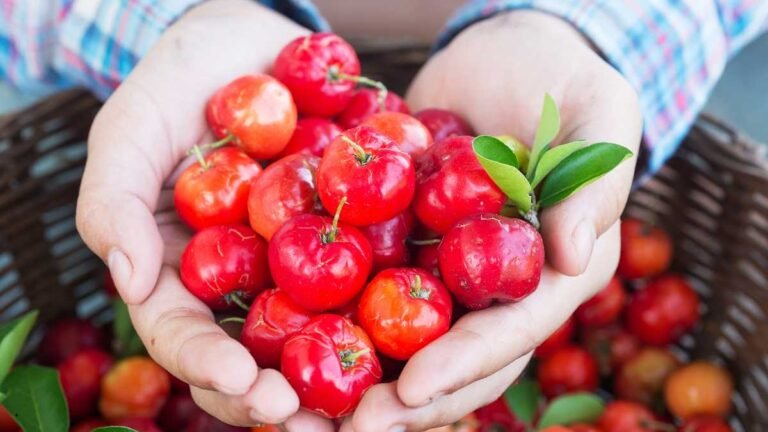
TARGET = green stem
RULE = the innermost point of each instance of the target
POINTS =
(232, 320)
(198, 153)
(235, 298)
(334, 74)
(360, 153)
(417, 290)
(220, 143)
(330, 236)
(427, 242)
(348, 358)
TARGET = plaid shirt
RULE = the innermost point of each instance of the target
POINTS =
(671, 51)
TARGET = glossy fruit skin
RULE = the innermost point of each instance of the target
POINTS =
(7, 423)
(134, 387)
(557, 428)
(257, 110)
(80, 376)
(318, 274)
(705, 424)
(584, 428)
(388, 241)
(377, 188)
(225, 260)
(663, 311)
(204, 422)
(605, 307)
(365, 103)
(285, 189)
(217, 194)
(312, 135)
(304, 66)
(642, 377)
(560, 338)
(177, 412)
(408, 133)
(645, 250)
(625, 416)
(404, 309)
(488, 257)
(443, 123)
(66, 337)
(84, 426)
(699, 389)
(312, 365)
(611, 346)
(140, 424)
(272, 318)
(567, 370)
(426, 258)
(451, 185)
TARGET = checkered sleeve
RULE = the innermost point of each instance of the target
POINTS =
(671, 51)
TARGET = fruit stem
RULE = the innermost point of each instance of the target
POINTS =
(198, 153)
(532, 215)
(360, 153)
(330, 236)
(348, 358)
(427, 242)
(235, 298)
(417, 291)
(220, 143)
(232, 319)
(334, 74)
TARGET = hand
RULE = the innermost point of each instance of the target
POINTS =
(495, 74)
(137, 146)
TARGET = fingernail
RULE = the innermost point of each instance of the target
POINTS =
(396, 428)
(120, 269)
(583, 240)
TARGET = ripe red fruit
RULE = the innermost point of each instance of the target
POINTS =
(388, 241)
(408, 133)
(255, 112)
(452, 185)
(584, 428)
(8, 424)
(604, 307)
(496, 416)
(284, 190)
(403, 310)
(330, 364)
(365, 103)
(375, 176)
(663, 311)
(489, 257)
(204, 422)
(319, 263)
(66, 337)
(80, 377)
(625, 416)
(611, 346)
(312, 135)
(559, 339)
(349, 310)
(216, 193)
(272, 318)
(645, 250)
(443, 123)
(134, 387)
(177, 412)
(642, 377)
(84, 426)
(426, 258)
(705, 424)
(224, 261)
(566, 370)
(140, 424)
(314, 67)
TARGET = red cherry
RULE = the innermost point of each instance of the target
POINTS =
(490, 257)
(426, 258)
(625, 416)
(272, 318)
(403, 310)
(496, 416)
(312, 67)
(365, 103)
(451, 185)
(80, 377)
(611, 346)
(605, 307)
(567, 370)
(66, 337)
(284, 190)
(559, 339)
(312, 135)
(663, 311)
(330, 364)
(408, 133)
(443, 123)
(367, 168)
(216, 192)
(255, 112)
(224, 262)
(642, 377)
(349, 310)
(645, 250)
(705, 424)
(177, 412)
(388, 241)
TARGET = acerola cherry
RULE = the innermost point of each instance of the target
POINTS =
(426, 258)
(408, 133)
(604, 307)
(452, 185)
(443, 123)
(134, 387)
(642, 377)
(611, 346)
(349, 310)
(225, 264)
(489, 257)
(496, 416)
(403, 310)
(80, 377)
(254, 112)
(375, 176)
(284, 190)
(330, 364)
(699, 389)
(625, 416)
(177, 412)
(8, 424)
(312, 135)
(215, 192)
(388, 241)
(705, 424)
(645, 250)
(559, 339)
(663, 311)
(365, 103)
(66, 337)
(272, 318)
(317, 69)
(566, 370)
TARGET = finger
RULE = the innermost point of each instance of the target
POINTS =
(482, 342)
(306, 421)
(181, 335)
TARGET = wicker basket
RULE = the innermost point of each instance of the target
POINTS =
(712, 197)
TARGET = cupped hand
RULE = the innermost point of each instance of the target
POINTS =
(495, 74)
(137, 145)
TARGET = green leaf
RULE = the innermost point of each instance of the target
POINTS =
(579, 169)
(127, 341)
(13, 334)
(551, 157)
(114, 429)
(35, 399)
(572, 408)
(523, 399)
(500, 162)
(549, 126)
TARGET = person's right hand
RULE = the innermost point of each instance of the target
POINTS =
(137, 145)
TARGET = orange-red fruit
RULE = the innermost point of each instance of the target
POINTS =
(560, 338)
(605, 307)
(705, 424)
(663, 311)
(134, 387)
(611, 346)
(625, 416)
(408, 133)
(699, 389)
(567, 370)
(642, 377)
(7, 424)
(80, 377)
(645, 250)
